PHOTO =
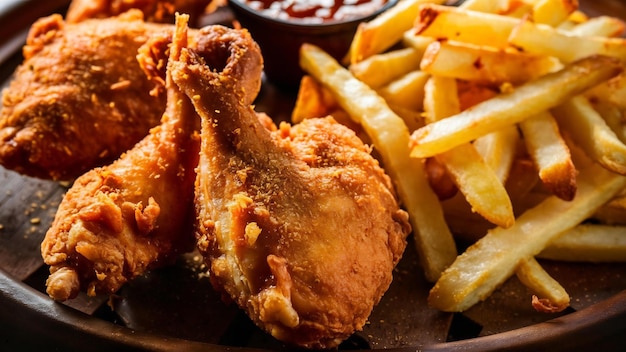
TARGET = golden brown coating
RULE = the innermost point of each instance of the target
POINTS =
(300, 225)
(117, 221)
(162, 11)
(80, 98)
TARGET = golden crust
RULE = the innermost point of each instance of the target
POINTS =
(299, 225)
(77, 81)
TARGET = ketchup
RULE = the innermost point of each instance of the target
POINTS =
(316, 11)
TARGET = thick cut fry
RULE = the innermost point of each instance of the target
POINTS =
(498, 150)
(491, 260)
(471, 93)
(553, 12)
(313, 100)
(380, 69)
(550, 154)
(612, 91)
(417, 42)
(575, 18)
(589, 131)
(454, 23)
(479, 184)
(552, 296)
(518, 9)
(612, 213)
(413, 119)
(589, 243)
(509, 108)
(483, 64)
(613, 116)
(390, 137)
(489, 6)
(439, 103)
(545, 40)
(602, 26)
(381, 33)
(407, 91)
(473, 177)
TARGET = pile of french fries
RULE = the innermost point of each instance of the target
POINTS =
(501, 123)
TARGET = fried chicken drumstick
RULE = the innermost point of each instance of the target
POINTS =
(300, 226)
(80, 98)
(117, 221)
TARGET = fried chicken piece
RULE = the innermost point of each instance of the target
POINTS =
(300, 226)
(80, 98)
(120, 220)
(154, 10)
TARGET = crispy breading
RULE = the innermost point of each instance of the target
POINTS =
(80, 98)
(300, 226)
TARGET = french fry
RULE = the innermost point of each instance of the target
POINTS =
(438, 102)
(589, 243)
(384, 31)
(390, 137)
(380, 69)
(552, 296)
(479, 184)
(579, 155)
(508, 108)
(417, 42)
(473, 177)
(613, 116)
(407, 91)
(602, 26)
(503, 65)
(498, 150)
(553, 12)
(612, 91)
(413, 119)
(312, 100)
(575, 18)
(542, 39)
(612, 213)
(550, 154)
(518, 9)
(483, 64)
(589, 131)
(471, 93)
(459, 24)
(510, 8)
(491, 260)
(489, 6)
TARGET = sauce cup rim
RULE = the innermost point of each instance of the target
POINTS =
(241, 6)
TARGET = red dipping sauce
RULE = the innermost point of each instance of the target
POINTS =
(316, 11)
